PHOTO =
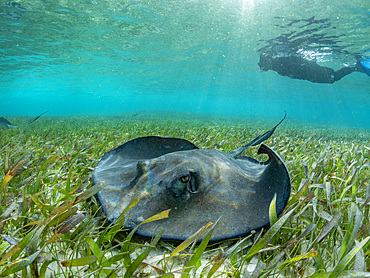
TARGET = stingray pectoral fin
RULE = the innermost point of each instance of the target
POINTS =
(116, 198)
(275, 179)
(115, 201)
(151, 147)
(273, 156)
(140, 168)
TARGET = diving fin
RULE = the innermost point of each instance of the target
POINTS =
(364, 66)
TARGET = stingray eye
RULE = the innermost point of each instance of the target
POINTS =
(185, 179)
(192, 187)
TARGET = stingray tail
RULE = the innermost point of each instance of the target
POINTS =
(30, 122)
(258, 140)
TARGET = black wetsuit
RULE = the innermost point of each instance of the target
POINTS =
(299, 68)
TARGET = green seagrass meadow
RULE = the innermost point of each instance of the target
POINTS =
(51, 224)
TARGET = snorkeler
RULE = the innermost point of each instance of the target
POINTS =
(299, 68)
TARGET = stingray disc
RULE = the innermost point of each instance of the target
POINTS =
(198, 185)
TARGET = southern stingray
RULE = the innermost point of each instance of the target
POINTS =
(5, 124)
(198, 185)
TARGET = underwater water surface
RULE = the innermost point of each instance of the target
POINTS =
(91, 57)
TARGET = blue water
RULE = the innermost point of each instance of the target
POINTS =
(112, 57)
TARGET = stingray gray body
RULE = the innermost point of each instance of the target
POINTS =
(5, 124)
(198, 185)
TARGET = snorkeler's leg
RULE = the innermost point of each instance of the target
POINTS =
(339, 74)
